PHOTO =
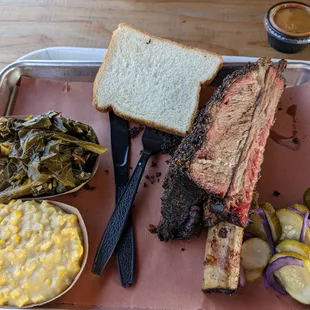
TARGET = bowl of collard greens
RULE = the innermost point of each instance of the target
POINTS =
(45, 155)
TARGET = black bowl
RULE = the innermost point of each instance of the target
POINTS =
(285, 47)
(282, 41)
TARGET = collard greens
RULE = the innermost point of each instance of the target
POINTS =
(44, 155)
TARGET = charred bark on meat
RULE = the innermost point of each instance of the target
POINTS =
(185, 218)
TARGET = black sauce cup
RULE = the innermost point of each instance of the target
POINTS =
(281, 40)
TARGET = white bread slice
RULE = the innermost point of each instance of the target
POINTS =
(153, 81)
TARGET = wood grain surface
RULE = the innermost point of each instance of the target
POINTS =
(228, 27)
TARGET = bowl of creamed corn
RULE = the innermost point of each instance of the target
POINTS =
(43, 251)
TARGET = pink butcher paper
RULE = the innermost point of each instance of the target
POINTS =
(169, 275)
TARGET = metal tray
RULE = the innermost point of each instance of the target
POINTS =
(296, 73)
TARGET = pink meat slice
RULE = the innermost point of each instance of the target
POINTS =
(247, 172)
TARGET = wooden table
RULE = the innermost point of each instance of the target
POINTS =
(229, 27)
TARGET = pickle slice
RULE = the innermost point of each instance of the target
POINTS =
(301, 208)
(255, 254)
(296, 281)
(291, 224)
(307, 198)
(273, 221)
(294, 246)
(256, 227)
(253, 275)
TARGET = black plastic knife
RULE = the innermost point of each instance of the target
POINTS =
(125, 251)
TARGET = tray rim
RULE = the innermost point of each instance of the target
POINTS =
(94, 52)
(227, 61)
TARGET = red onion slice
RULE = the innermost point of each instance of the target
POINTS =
(295, 210)
(304, 227)
(266, 283)
(267, 228)
(276, 265)
(301, 214)
(242, 280)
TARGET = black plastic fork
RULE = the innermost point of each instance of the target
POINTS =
(152, 140)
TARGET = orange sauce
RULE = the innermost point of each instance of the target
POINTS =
(293, 19)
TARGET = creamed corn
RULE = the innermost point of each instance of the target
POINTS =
(41, 251)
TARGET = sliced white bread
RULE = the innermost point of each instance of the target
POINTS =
(153, 81)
